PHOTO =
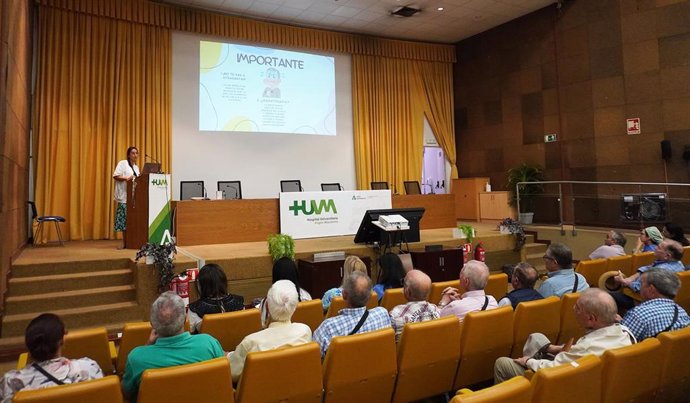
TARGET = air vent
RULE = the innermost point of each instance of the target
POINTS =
(406, 11)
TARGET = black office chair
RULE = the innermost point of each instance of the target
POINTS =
(45, 218)
(412, 188)
(189, 189)
(232, 190)
(294, 185)
(379, 185)
(330, 187)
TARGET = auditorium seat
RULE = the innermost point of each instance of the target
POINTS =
(91, 343)
(497, 286)
(310, 313)
(575, 382)
(230, 328)
(686, 256)
(437, 289)
(360, 367)
(675, 368)
(291, 374)
(201, 382)
(515, 390)
(104, 390)
(683, 296)
(428, 356)
(540, 316)
(641, 259)
(393, 297)
(133, 335)
(338, 303)
(485, 336)
(631, 374)
(569, 327)
(622, 263)
(592, 270)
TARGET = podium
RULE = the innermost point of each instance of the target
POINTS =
(148, 210)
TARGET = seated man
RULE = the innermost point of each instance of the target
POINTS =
(276, 311)
(473, 278)
(613, 246)
(658, 313)
(416, 287)
(523, 279)
(355, 318)
(168, 345)
(558, 260)
(595, 311)
(668, 255)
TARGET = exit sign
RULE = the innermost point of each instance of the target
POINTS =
(549, 138)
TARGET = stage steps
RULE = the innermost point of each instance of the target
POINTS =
(534, 253)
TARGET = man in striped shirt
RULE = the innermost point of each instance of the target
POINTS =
(416, 287)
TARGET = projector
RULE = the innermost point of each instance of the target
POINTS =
(395, 221)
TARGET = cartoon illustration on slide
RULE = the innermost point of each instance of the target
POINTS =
(272, 81)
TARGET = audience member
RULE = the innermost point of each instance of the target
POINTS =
(613, 246)
(648, 240)
(675, 232)
(595, 311)
(523, 279)
(355, 318)
(279, 331)
(352, 263)
(473, 278)
(213, 296)
(658, 313)
(169, 345)
(286, 269)
(391, 274)
(416, 287)
(558, 260)
(44, 338)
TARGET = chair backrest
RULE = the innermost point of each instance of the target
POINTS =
(675, 369)
(200, 382)
(231, 189)
(286, 374)
(437, 289)
(393, 297)
(497, 286)
(34, 213)
(104, 390)
(631, 374)
(360, 367)
(576, 382)
(133, 335)
(231, 327)
(569, 327)
(291, 185)
(310, 313)
(540, 316)
(641, 259)
(683, 296)
(91, 343)
(515, 390)
(189, 189)
(485, 336)
(592, 270)
(686, 256)
(427, 368)
(622, 263)
(412, 188)
(331, 187)
(379, 185)
(338, 303)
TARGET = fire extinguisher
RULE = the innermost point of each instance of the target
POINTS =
(479, 253)
(180, 286)
(466, 252)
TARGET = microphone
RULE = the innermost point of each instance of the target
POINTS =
(205, 192)
(151, 158)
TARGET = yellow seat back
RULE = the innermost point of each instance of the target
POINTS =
(291, 374)
(310, 313)
(133, 335)
(427, 368)
(641, 259)
(622, 263)
(200, 382)
(497, 286)
(91, 343)
(592, 270)
(515, 390)
(675, 369)
(540, 316)
(360, 367)
(686, 255)
(569, 326)
(230, 328)
(683, 296)
(437, 289)
(338, 303)
(575, 382)
(104, 390)
(631, 374)
(393, 297)
(485, 336)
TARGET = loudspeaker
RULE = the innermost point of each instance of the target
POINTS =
(686, 153)
(666, 149)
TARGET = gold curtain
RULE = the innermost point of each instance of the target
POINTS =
(102, 85)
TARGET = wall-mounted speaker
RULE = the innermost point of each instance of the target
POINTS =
(666, 150)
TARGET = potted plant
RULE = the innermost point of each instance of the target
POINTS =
(510, 226)
(161, 256)
(525, 173)
(280, 245)
(465, 231)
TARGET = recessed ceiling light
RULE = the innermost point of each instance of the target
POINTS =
(440, 9)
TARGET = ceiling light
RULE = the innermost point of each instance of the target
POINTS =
(440, 9)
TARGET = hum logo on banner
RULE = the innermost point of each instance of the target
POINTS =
(309, 207)
(159, 182)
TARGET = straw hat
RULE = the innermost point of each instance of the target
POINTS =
(606, 281)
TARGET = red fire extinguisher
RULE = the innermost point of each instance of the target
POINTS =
(180, 286)
(479, 253)
(466, 252)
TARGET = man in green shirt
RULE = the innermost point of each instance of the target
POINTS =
(168, 345)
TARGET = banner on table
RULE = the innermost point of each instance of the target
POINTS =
(159, 209)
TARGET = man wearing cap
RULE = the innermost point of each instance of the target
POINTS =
(649, 238)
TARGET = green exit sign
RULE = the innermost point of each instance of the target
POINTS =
(549, 138)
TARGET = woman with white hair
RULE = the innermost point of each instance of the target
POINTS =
(279, 331)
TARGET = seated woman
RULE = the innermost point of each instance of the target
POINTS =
(286, 269)
(351, 264)
(649, 239)
(675, 232)
(213, 296)
(44, 338)
(391, 274)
